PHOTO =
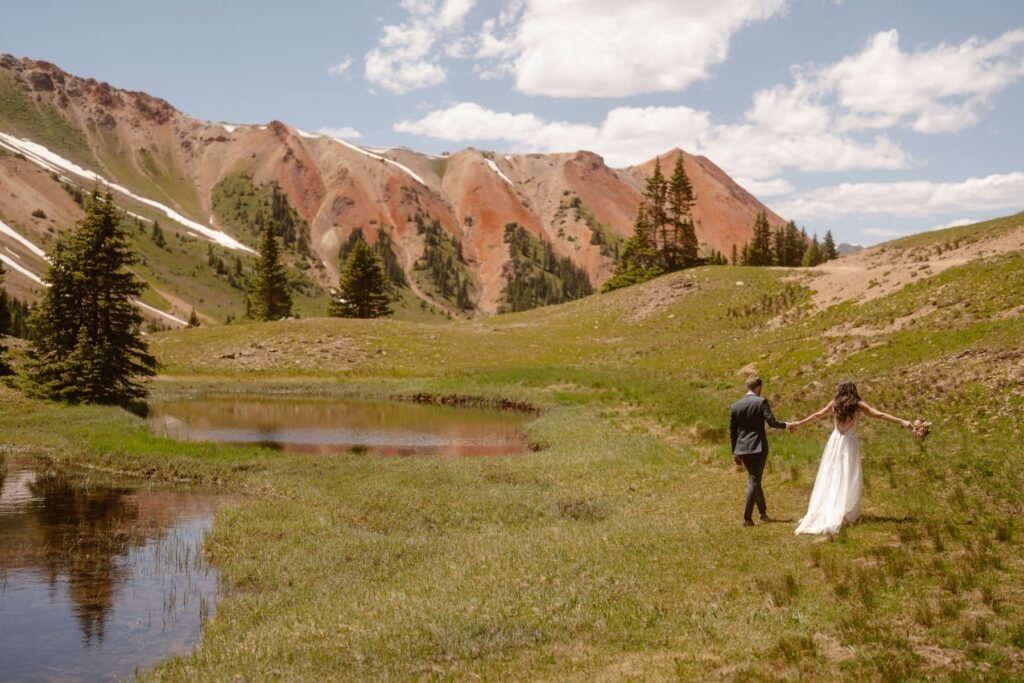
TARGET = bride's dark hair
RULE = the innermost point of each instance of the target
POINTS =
(845, 404)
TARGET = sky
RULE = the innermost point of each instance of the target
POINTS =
(869, 118)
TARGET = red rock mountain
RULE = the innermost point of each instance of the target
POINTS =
(155, 152)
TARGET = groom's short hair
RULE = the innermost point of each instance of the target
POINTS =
(753, 382)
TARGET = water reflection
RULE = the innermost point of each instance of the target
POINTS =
(323, 425)
(97, 578)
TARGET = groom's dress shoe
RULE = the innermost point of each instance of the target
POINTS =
(748, 522)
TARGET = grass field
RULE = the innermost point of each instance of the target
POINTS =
(615, 551)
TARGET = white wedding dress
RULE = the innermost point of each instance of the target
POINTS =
(835, 500)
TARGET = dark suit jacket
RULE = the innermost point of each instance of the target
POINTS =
(747, 418)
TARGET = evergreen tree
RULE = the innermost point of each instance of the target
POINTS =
(683, 251)
(5, 324)
(157, 235)
(193, 319)
(638, 261)
(363, 289)
(759, 252)
(828, 248)
(269, 298)
(656, 199)
(735, 256)
(85, 331)
(812, 255)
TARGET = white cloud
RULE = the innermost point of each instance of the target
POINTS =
(610, 48)
(954, 224)
(344, 133)
(405, 57)
(882, 232)
(339, 68)
(996, 192)
(629, 135)
(773, 187)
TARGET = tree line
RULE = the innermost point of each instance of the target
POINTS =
(786, 246)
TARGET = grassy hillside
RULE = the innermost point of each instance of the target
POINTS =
(22, 116)
(615, 551)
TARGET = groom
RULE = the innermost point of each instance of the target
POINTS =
(747, 418)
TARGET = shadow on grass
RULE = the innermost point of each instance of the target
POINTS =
(881, 519)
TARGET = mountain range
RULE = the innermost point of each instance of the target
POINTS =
(439, 221)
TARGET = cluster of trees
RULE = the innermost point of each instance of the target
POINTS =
(5, 320)
(444, 262)
(536, 276)
(85, 331)
(664, 237)
(290, 227)
(785, 246)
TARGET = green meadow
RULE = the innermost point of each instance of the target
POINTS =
(612, 550)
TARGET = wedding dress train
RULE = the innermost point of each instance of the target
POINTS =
(835, 500)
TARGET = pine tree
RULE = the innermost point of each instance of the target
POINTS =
(5, 324)
(760, 247)
(735, 257)
(363, 289)
(828, 248)
(85, 331)
(812, 255)
(656, 198)
(269, 298)
(638, 261)
(157, 235)
(684, 247)
(193, 319)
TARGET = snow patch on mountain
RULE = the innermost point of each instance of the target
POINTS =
(10, 232)
(378, 157)
(494, 167)
(51, 161)
(14, 265)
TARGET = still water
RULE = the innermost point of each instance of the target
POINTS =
(326, 425)
(97, 578)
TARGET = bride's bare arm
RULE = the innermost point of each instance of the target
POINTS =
(879, 415)
(811, 419)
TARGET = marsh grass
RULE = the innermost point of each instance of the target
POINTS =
(615, 552)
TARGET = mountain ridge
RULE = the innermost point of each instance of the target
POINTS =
(571, 200)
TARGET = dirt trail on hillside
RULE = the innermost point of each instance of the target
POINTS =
(882, 270)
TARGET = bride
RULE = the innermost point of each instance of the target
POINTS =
(835, 500)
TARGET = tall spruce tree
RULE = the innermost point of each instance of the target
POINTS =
(85, 330)
(269, 298)
(682, 251)
(760, 246)
(812, 255)
(656, 199)
(828, 248)
(638, 260)
(363, 289)
(5, 324)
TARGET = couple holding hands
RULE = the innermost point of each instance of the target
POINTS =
(835, 500)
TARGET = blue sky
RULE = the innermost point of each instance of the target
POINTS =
(866, 117)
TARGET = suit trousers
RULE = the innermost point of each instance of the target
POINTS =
(754, 462)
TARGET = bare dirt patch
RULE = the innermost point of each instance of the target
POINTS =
(882, 270)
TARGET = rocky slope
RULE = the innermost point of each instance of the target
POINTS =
(59, 131)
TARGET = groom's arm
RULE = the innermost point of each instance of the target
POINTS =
(766, 410)
(734, 429)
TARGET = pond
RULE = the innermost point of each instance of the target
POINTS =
(330, 425)
(97, 578)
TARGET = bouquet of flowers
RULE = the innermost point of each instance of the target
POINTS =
(921, 428)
